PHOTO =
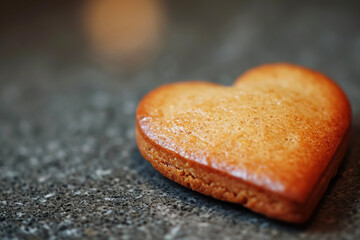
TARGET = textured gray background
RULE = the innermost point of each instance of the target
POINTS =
(69, 165)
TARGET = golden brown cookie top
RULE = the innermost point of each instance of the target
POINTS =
(277, 128)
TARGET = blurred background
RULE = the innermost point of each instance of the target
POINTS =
(72, 73)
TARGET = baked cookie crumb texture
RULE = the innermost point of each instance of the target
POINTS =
(272, 142)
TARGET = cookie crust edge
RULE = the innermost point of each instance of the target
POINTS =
(224, 187)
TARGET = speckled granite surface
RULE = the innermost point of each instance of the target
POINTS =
(69, 165)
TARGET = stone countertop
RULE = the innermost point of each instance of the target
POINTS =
(69, 165)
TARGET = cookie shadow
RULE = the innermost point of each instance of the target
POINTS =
(331, 213)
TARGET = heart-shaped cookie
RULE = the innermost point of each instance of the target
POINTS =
(272, 142)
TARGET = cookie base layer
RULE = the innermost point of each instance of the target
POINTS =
(224, 187)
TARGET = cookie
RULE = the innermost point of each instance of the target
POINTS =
(271, 142)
